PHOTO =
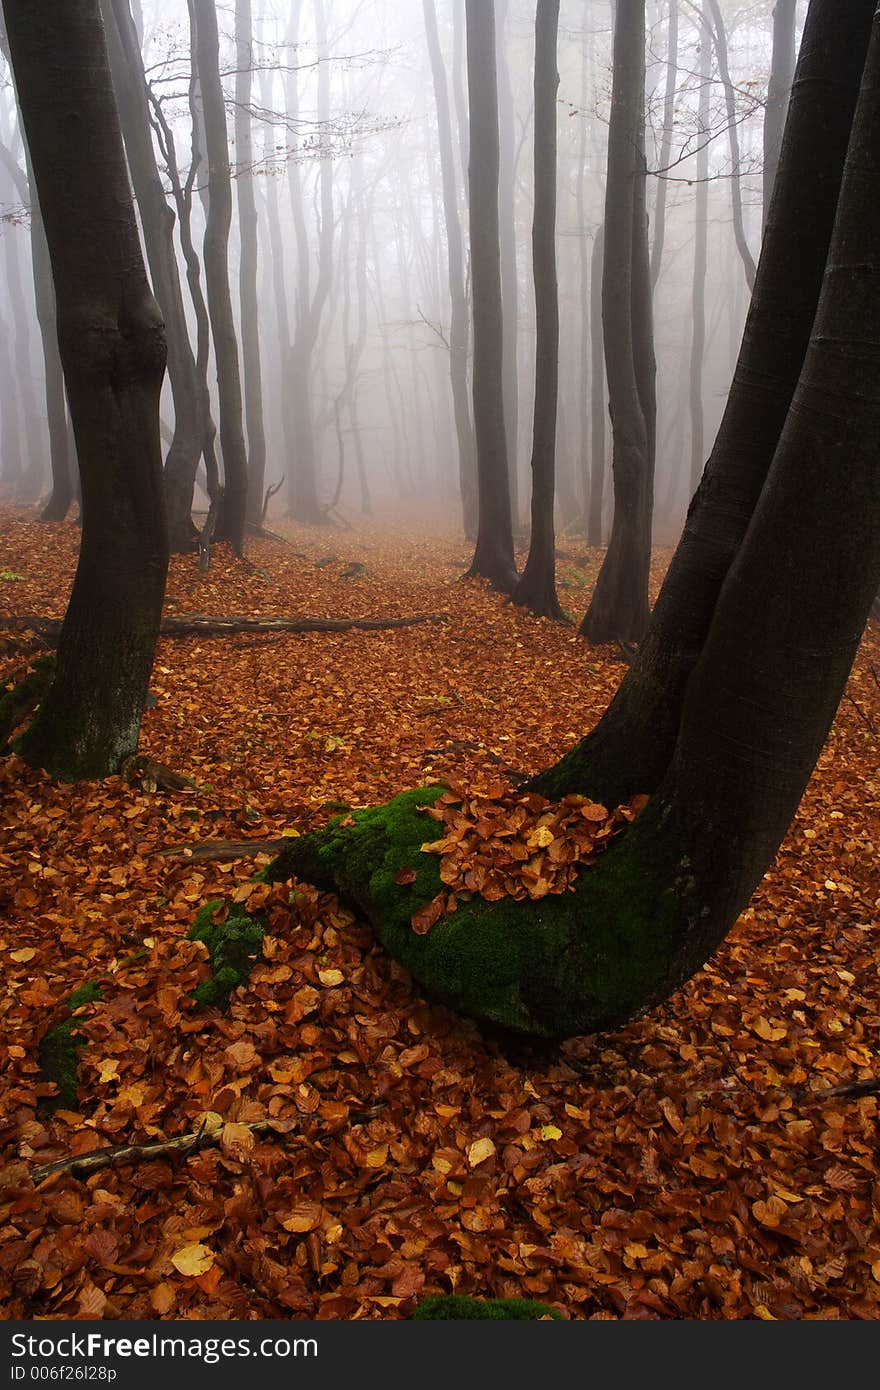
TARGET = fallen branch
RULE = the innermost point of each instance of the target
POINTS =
(219, 851)
(202, 625)
(184, 1145)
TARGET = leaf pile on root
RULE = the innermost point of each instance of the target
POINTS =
(499, 843)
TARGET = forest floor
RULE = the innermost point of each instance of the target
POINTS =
(678, 1167)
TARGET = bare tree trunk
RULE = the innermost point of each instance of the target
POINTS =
(157, 222)
(536, 589)
(619, 607)
(742, 245)
(233, 516)
(509, 269)
(493, 555)
(113, 349)
(701, 240)
(778, 92)
(247, 226)
(458, 329)
(32, 461)
(665, 143)
(598, 404)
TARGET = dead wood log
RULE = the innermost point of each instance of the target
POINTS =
(220, 851)
(203, 625)
(183, 1146)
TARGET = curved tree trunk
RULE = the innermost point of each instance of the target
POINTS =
(630, 749)
(458, 327)
(493, 555)
(113, 349)
(536, 589)
(234, 511)
(157, 222)
(654, 906)
(619, 607)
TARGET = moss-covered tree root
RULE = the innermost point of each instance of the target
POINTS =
(60, 1048)
(455, 1308)
(233, 944)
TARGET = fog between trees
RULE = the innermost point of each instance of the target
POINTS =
(333, 131)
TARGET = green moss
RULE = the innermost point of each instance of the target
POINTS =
(60, 1048)
(233, 946)
(449, 1308)
(18, 702)
(569, 964)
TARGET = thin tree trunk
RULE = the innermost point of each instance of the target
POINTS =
(536, 589)
(509, 269)
(598, 404)
(742, 245)
(216, 250)
(665, 142)
(33, 467)
(778, 92)
(619, 607)
(113, 349)
(493, 555)
(247, 227)
(157, 222)
(458, 329)
(701, 242)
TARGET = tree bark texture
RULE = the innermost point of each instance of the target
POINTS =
(247, 227)
(113, 350)
(701, 251)
(509, 267)
(778, 91)
(536, 589)
(619, 606)
(493, 555)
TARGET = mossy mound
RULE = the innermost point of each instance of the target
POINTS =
(456, 1308)
(570, 964)
(233, 945)
(60, 1048)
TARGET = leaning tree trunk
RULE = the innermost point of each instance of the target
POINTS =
(157, 222)
(216, 257)
(113, 350)
(648, 913)
(493, 555)
(247, 226)
(619, 607)
(458, 326)
(536, 589)
(778, 92)
(629, 750)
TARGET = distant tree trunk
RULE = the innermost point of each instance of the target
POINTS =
(630, 748)
(665, 142)
(742, 245)
(279, 281)
(157, 222)
(509, 268)
(247, 226)
(493, 556)
(619, 607)
(113, 349)
(459, 64)
(701, 243)
(597, 388)
(58, 505)
(778, 91)
(458, 329)
(233, 517)
(33, 462)
(536, 589)
(10, 422)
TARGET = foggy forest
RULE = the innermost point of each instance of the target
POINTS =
(439, 659)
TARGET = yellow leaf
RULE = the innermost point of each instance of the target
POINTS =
(761, 1311)
(108, 1070)
(209, 1121)
(193, 1260)
(551, 1132)
(542, 837)
(23, 956)
(304, 1217)
(376, 1158)
(456, 1188)
(330, 977)
(479, 1151)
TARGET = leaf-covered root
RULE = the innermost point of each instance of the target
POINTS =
(234, 939)
(16, 704)
(583, 961)
(457, 1308)
(60, 1048)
